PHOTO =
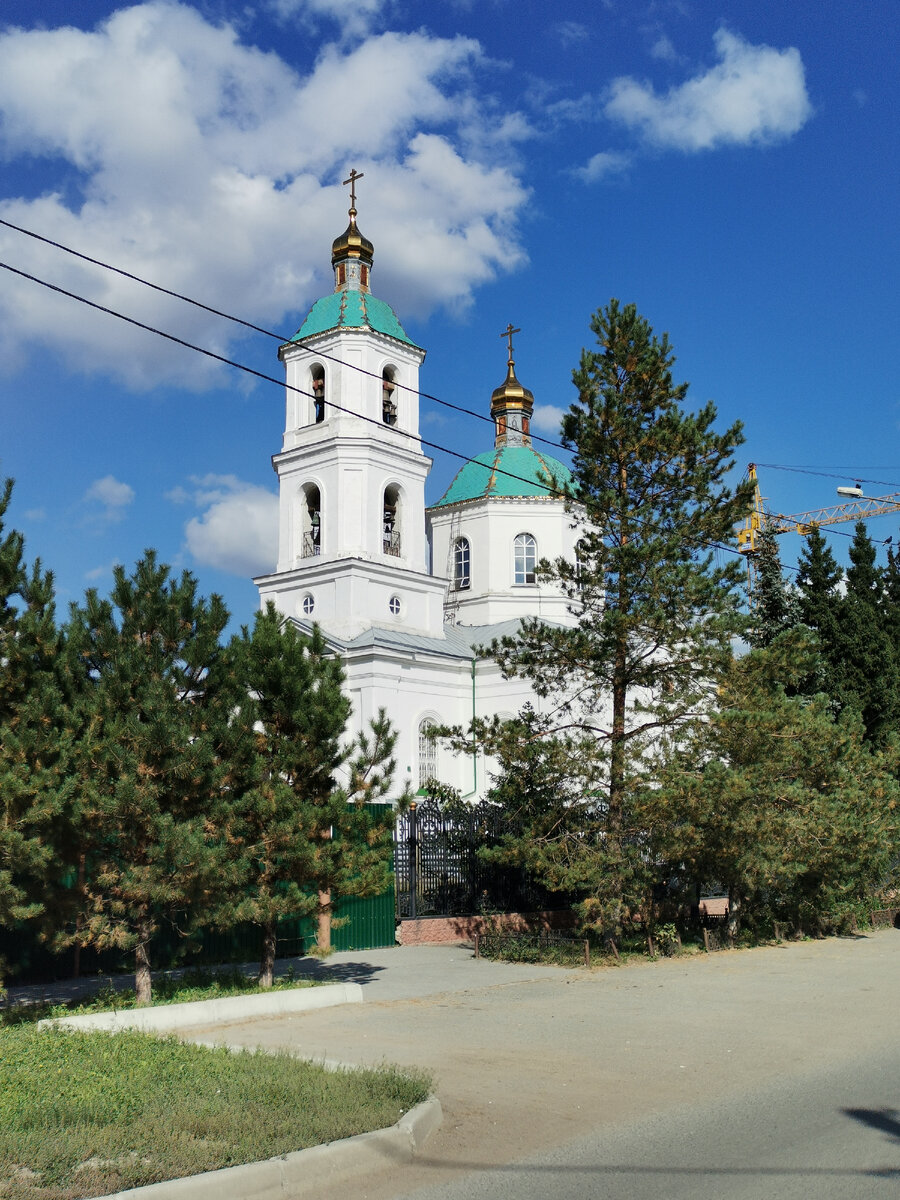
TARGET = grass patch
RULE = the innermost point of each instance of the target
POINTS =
(86, 1113)
(194, 984)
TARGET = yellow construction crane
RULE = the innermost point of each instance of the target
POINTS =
(855, 507)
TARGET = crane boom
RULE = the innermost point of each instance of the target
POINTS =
(859, 509)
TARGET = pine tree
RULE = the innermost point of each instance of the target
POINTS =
(295, 816)
(656, 610)
(866, 669)
(154, 713)
(775, 605)
(36, 790)
(783, 802)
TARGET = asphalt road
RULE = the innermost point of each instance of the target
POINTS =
(772, 1072)
(832, 1135)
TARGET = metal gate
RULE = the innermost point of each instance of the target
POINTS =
(439, 871)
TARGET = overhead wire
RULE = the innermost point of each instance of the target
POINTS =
(230, 362)
(212, 354)
(280, 338)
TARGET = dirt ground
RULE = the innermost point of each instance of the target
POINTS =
(528, 1060)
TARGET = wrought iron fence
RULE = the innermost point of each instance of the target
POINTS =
(439, 871)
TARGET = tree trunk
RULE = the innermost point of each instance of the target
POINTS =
(734, 913)
(323, 924)
(79, 921)
(267, 962)
(617, 761)
(143, 984)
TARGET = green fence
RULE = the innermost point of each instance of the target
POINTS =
(360, 924)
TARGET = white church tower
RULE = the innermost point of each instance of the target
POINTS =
(352, 549)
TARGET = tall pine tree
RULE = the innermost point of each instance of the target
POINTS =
(296, 816)
(656, 610)
(155, 708)
(37, 792)
(776, 606)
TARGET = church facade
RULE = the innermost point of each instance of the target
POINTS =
(405, 593)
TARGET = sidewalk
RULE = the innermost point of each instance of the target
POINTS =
(394, 973)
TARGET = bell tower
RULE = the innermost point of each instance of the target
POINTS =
(352, 551)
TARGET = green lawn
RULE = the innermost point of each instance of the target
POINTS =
(86, 1113)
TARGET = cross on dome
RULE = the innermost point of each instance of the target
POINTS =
(512, 404)
(354, 175)
(352, 252)
(508, 334)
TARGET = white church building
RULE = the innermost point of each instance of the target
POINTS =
(404, 593)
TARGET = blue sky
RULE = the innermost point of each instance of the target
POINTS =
(732, 168)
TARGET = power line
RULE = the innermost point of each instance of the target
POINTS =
(216, 312)
(171, 337)
(230, 362)
(828, 474)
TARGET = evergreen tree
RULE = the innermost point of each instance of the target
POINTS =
(775, 605)
(780, 800)
(655, 611)
(154, 716)
(36, 790)
(866, 669)
(818, 581)
(296, 817)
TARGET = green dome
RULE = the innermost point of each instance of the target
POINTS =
(350, 309)
(509, 471)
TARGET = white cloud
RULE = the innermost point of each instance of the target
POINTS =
(102, 572)
(112, 495)
(238, 531)
(213, 168)
(664, 50)
(547, 418)
(602, 166)
(35, 514)
(756, 94)
(355, 17)
(571, 33)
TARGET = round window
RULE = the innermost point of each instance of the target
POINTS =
(394, 605)
(308, 605)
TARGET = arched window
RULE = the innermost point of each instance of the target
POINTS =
(391, 522)
(317, 381)
(526, 558)
(461, 574)
(427, 752)
(388, 403)
(311, 544)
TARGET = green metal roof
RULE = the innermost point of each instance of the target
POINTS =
(350, 309)
(506, 471)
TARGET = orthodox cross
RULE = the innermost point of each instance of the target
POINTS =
(354, 175)
(508, 334)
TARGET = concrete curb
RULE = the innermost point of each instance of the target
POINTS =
(304, 1172)
(169, 1017)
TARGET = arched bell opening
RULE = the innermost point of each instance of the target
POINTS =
(317, 387)
(311, 542)
(391, 521)
(388, 396)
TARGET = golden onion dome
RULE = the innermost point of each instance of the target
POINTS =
(511, 393)
(352, 244)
